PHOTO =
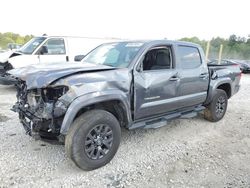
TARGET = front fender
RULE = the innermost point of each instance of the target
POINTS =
(93, 98)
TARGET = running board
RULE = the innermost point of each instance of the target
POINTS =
(162, 121)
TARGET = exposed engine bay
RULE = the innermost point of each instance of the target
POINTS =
(40, 111)
(4, 67)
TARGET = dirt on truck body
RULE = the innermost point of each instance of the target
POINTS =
(134, 84)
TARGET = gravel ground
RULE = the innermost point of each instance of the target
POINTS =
(185, 153)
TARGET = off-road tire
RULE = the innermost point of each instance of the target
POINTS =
(80, 130)
(216, 110)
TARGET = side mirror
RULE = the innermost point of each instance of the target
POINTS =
(140, 67)
(79, 57)
(44, 50)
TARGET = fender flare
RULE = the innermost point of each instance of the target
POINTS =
(93, 98)
(214, 84)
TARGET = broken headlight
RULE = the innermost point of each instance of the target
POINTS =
(46, 95)
(34, 97)
(44, 102)
(54, 93)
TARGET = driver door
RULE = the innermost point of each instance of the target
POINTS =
(155, 83)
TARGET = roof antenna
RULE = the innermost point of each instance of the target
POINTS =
(45, 34)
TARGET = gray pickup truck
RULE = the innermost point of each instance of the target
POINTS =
(132, 84)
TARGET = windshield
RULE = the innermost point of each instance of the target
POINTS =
(30, 46)
(114, 54)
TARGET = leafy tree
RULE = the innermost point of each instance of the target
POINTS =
(232, 40)
(4, 42)
(20, 40)
(235, 47)
(6, 38)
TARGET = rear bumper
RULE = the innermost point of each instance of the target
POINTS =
(6, 80)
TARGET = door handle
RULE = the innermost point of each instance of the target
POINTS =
(39, 58)
(203, 75)
(174, 78)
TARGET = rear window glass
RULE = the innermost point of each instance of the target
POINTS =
(55, 46)
(189, 57)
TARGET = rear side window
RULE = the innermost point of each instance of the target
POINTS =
(55, 46)
(189, 57)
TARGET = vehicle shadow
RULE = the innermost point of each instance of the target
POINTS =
(7, 89)
(130, 139)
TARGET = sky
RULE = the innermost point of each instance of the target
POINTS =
(127, 19)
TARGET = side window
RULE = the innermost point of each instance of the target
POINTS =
(157, 59)
(54, 47)
(189, 57)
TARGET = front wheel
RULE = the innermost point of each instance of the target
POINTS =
(216, 110)
(93, 139)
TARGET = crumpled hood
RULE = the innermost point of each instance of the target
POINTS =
(41, 75)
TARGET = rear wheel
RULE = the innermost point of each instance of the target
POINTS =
(216, 110)
(93, 139)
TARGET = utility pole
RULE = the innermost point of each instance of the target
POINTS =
(220, 54)
(207, 50)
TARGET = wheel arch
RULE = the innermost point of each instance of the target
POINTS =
(227, 88)
(116, 103)
(221, 83)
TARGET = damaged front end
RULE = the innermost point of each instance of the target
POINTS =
(40, 110)
(5, 78)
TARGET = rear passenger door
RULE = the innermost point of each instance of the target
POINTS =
(193, 75)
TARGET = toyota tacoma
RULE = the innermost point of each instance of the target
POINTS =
(131, 84)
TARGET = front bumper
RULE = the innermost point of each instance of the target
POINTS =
(28, 119)
(37, 127)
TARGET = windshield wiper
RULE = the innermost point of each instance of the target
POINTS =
(110, 65)
(19, 51)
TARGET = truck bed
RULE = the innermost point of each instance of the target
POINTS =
(222, 70)
(220, 74)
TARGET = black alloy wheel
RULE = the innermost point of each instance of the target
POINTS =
(220, 106)
(98, 141)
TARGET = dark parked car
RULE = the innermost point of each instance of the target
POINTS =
(244, 65)
(135, 84)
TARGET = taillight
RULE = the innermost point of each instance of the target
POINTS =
(239, 68)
